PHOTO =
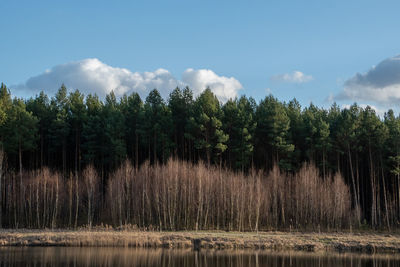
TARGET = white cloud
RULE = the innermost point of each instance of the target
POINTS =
(294, 77)
(223, 87)
(381, 84)
(93, 76)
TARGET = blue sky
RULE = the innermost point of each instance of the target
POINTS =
(256, 43)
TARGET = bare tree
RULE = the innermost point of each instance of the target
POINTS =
(91, 180)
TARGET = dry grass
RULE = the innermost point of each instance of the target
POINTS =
(342, 242)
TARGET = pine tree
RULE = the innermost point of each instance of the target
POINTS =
(76, 118)
(114, 130)
(60, 128)
(207, 127)
(317, 136)
(180, 104)
(40, 108)
(393, 155)
(347, 142)
(157, 127)
(373, 135)
(272, 131)
(293, 110)
(238, 123)
(132, 107)
(20, 131)
(5, 103)
(93, 132)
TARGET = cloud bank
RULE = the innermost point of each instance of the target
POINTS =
(381, 84)
(93, 76)
(294, 77)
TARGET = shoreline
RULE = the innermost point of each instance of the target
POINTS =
(277, 241)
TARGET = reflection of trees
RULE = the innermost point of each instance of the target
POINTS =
(182, 258)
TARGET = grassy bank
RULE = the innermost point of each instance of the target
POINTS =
(340, 242)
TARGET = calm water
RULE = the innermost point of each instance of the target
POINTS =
(181, 258)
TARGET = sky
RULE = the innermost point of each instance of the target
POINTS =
(315, 51)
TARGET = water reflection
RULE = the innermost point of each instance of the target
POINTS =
(59, 256)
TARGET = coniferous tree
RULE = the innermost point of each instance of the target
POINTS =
(5, 105)
(238, 122)
(93, 132)
(60, 128)
(317, 135)
(373, 134)
(393, 156)
(207, 126)
(132, 107)
(334, 116)
(180, 104)
(114, 147)
(347, 142)
(76, 118)
(156, 127)
(230, 121)
(294, 112)
(5, 102)
(94, 141)
(40, 108)
(273, 133)
(20, 131)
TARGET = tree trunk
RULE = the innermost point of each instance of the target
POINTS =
(70, 196)
(155, 147)
(64, 157)
(385, 197)
(20, 164)
(1, 188)
(398, 194)
(323, 163)
(20, 180)
(41, 149)
(53, 224)
(372, 179)
(77, 201)
(356, 198)
(137, 151)
(76, 153)
(37, 204)
(200, 204)
(89, 210)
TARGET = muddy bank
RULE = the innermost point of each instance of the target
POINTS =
(339, 242)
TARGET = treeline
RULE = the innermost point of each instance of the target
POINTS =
(70, 131)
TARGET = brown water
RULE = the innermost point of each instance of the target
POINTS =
(61, 256)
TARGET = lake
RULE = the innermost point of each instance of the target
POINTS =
(71, 256)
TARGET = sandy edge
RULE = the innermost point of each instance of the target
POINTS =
(339, 242)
